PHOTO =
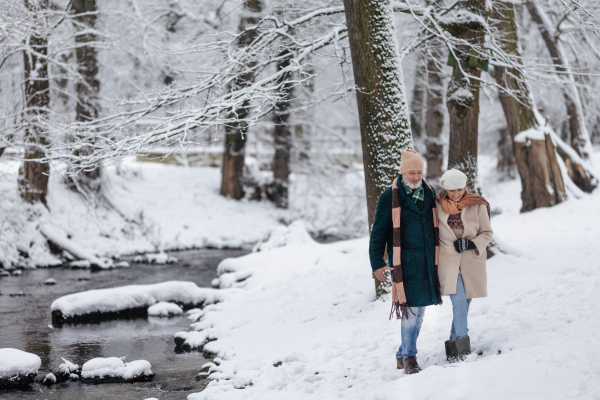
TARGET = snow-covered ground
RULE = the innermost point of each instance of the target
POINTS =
(151, 207)
(304, 324)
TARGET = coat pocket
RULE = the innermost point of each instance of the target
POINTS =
(412, 262)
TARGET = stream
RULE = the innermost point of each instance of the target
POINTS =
(25, 324)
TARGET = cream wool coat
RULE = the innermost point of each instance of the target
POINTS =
(471, 263)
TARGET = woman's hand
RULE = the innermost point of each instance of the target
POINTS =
(463, 244)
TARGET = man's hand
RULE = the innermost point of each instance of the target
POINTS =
(379, 273)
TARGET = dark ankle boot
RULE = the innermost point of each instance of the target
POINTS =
(463, 346)
(451, 351)
(411, 366)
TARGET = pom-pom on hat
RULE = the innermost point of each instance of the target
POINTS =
(410, 160)
(453, 179)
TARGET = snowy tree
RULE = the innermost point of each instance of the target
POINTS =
(33, 175)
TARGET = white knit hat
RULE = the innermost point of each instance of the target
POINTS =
(453, 179)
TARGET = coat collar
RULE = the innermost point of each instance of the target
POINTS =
(428, 198)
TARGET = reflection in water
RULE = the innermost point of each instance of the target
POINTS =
(26, 319)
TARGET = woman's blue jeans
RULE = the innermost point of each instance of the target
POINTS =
(410, 329)
(460, 311)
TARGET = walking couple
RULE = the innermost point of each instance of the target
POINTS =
(436, 246)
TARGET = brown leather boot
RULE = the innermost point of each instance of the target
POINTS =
(411, 366)
(400, 363)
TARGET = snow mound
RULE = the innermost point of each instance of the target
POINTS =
(160, 258)
(191, 340)
(49, 379)
(67, 367)
(114, 367)
(133, 297)
(15, 363)
(50, 281)
(164, 309)
(280, 236)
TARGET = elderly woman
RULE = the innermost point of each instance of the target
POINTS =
(465, 232)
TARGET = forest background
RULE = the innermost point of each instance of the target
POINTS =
(303, 105)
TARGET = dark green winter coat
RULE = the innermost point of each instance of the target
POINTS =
(418, 243)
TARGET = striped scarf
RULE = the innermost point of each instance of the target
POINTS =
(399, 305)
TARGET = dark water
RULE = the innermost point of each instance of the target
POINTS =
(24, 324)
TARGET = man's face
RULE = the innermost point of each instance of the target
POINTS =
(413, 178)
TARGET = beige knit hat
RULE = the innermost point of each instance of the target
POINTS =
(453, 179)
(410, 160)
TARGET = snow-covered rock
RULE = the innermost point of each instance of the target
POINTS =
(17, 272)
(160, 258)
(193, 340)
(122, 264)
(67, 370)
(50, 281)
(113, 369)
(49, 379)
(164, 309)
(80, 264)
(132, 300)
(18, 368)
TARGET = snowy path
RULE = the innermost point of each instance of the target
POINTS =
(310, 307)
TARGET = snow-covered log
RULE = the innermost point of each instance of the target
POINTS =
(129, 301)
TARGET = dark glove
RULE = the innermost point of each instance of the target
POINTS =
(463, 244)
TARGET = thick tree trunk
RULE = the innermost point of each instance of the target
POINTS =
(434, 117)
(382, 108)
(463, 92)
(88, 87)
(283, 142)
(579, 137)
(232, 169)
(535, 158)
(33, 175)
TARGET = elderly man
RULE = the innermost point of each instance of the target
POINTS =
(406, 222)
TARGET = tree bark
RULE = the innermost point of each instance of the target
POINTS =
(282, 139)
(541, 179)
(33, 175)
(434, 117)
(417, 103)
(88, 86)
(580, 141)
(463, 92)
(381, 98)
(232, 169)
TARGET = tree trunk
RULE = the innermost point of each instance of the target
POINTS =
(33, 175)
(88, 86)
(540, 173)
(580, 140)
(463, 93)
(417, 103)
(381, 98)
(232, 169)
(434, 117)
(535, 158)
(283, 142)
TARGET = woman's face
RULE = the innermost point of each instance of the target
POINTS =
(456, 194)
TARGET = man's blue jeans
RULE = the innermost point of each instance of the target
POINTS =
(460, 311)
(410, 332)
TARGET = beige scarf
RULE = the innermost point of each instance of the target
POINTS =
(455, 207)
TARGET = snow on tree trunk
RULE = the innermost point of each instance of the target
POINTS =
(33, 175)
(87, 87)
(541, 178)
(382, 107)
(434, 117)
(232, 170)
(580, 140)
(463, 90)
(282, 140)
